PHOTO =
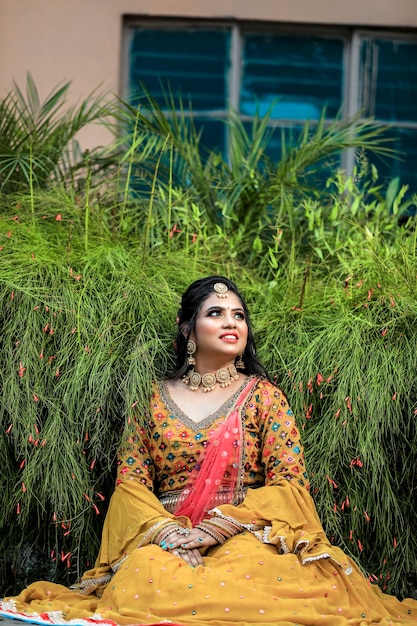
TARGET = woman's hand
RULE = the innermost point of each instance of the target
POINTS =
(190, 538)
(191, 556)
(186, 543)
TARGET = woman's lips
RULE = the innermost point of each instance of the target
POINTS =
(232, 337)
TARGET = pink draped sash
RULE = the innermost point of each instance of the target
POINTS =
(219, 469)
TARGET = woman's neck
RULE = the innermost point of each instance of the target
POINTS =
(205, 365)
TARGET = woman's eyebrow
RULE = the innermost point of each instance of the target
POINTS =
(222, 308)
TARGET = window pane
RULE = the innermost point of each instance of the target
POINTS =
(303, 73)
(213, 134)
(389, 79)
(193, 64)
(404, 164)
(283, 139)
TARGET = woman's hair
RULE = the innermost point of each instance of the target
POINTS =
(191, 303)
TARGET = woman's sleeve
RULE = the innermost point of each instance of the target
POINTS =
(134, 461)
(282, 512)
(282, 450)
(135, 515)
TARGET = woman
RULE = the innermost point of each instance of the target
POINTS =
(211, 521)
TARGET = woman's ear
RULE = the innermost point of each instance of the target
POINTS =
(185, 329)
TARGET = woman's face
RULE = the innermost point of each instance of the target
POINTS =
(221, 329)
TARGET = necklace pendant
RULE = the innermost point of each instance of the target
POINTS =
(224, 377)
(209, 381)
(194, 380)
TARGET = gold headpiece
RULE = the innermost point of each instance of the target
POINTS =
(221, 290)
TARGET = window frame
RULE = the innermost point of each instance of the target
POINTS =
(352, 40)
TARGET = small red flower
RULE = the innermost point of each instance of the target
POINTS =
(332, 482)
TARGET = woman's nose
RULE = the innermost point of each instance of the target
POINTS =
(229, 319)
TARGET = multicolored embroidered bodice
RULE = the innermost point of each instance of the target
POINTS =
(161, 450)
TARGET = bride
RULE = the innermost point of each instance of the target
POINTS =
(211, 521)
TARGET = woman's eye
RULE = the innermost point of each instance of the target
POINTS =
(218, 313)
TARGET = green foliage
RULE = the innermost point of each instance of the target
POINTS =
(38, 139)
(259, 206)
(90, 281)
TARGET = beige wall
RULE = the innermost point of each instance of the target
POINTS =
(80, 40)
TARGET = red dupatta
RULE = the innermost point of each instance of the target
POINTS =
(219, 469)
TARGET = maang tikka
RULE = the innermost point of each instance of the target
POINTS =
(221, 290)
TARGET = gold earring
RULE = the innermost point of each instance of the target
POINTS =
(191, 348)
(240, 364)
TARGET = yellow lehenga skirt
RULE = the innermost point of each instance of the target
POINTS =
(280, 571)
(244, 582)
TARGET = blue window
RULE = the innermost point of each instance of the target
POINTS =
(389, 94)
(191, 64)
(389, 79)
(293, 74)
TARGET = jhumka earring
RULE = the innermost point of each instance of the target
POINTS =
(240, 363)
(191, 348)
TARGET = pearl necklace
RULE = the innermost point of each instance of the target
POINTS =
(224, 376)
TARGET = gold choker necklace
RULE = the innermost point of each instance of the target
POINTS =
(223, 376)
